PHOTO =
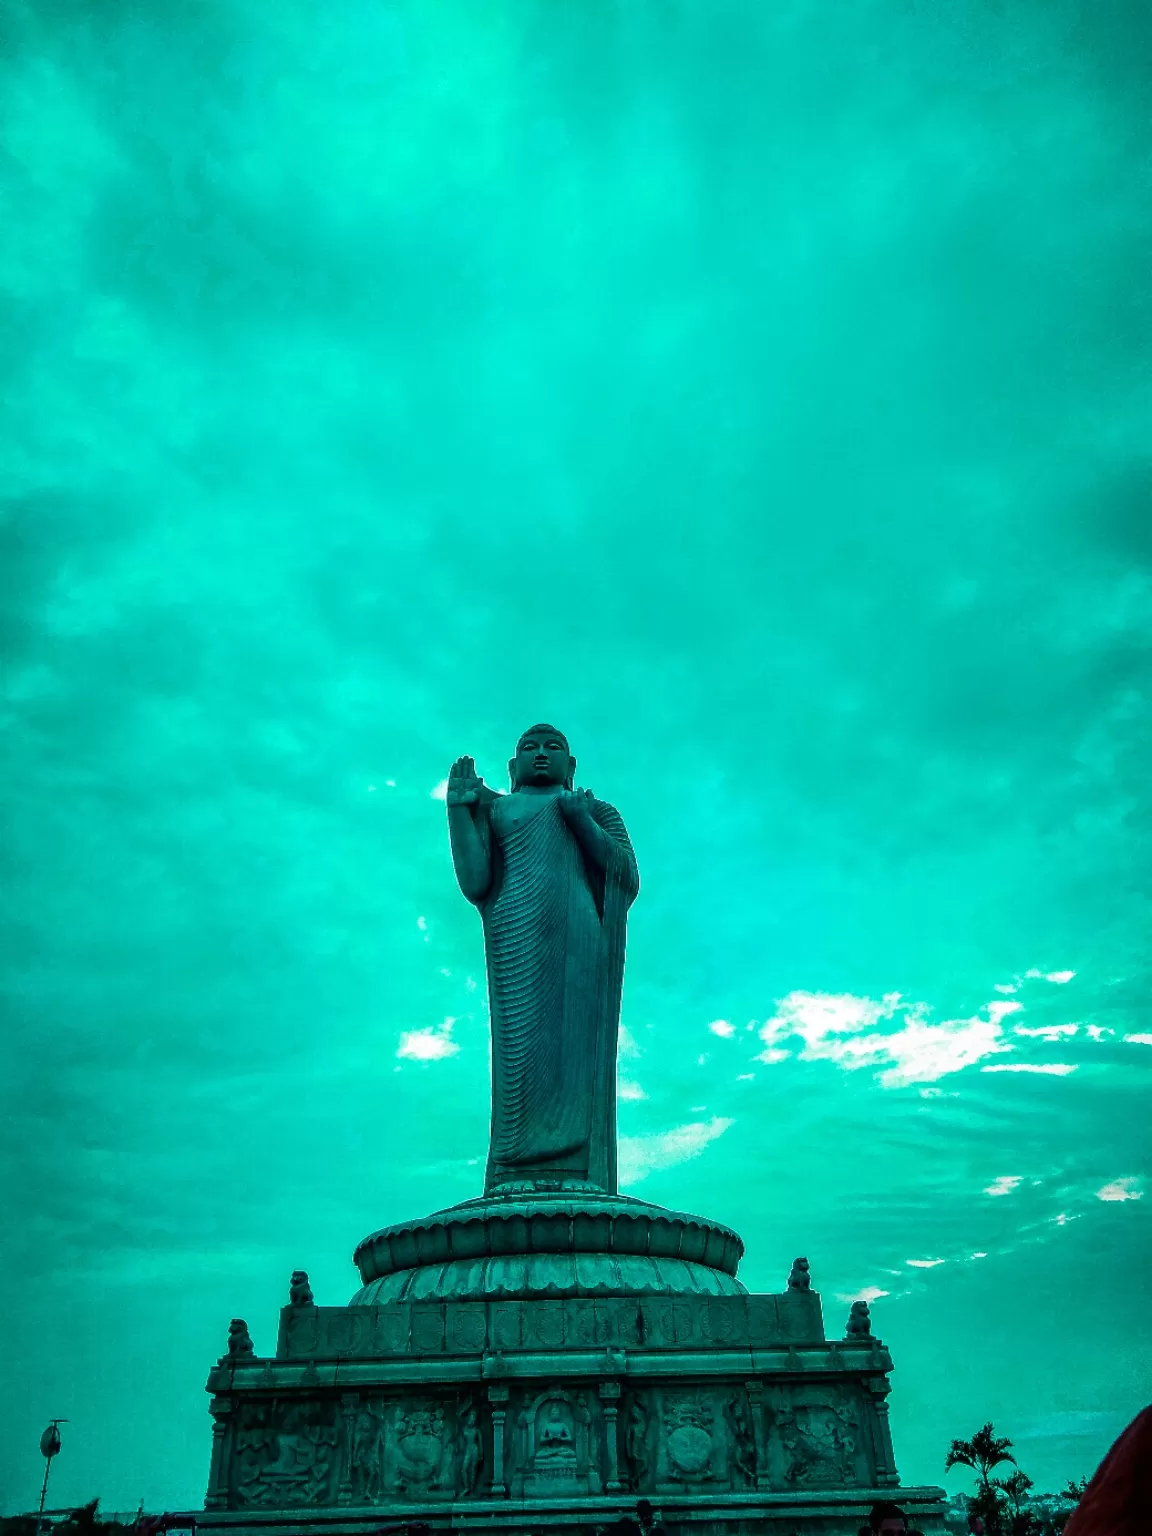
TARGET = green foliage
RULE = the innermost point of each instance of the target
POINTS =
(982, 1453)
(1003, 1502)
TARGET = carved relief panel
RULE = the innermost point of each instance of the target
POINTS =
(816, 1441)
(285, 1453)
(400, 1449)
(636, 1435)
(691, 1449)
(555, 1446)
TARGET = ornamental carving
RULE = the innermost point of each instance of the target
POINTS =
(420, 1448)
(819, 1445)
(366, 1457)
(636, 1425)
(741, 1441)
(286, 1453)
(688, 1438)
(469, 1446)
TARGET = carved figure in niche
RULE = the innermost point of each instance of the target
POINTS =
(552, 872)
(299, 1291)
(470, 1447)
(367, 1458)
(636, 1443)
(741, 1441)
(558, 1447)
(800, 1279)
(554, 1436)
(688, 1439)
(288, 1456)
(819, 1443)
(420, 1447)
(240, 1346)
(859, 1321)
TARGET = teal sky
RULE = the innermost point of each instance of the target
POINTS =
(758, 391)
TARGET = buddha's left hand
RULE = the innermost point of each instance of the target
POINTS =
(577, 804)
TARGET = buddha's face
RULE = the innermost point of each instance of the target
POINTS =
(541, 760)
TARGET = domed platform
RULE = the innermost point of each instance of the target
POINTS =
(515, 1247)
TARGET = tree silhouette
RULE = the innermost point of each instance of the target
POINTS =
(982, 1453)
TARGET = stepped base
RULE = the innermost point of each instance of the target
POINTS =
(833, 1512)
(732, 1414)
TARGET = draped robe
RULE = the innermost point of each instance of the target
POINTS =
(554, 931)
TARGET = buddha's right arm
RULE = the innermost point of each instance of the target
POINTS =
(470, 857)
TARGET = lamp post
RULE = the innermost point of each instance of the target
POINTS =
(49, 1447)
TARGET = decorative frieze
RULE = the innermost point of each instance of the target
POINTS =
(424, 1328)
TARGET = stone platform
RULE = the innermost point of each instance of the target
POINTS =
(527, 1363)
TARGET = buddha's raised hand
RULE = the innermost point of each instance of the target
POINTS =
(463, 784)
(575, 803)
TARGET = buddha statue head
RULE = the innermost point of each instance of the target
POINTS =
(542, 759)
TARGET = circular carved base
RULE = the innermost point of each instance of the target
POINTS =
(560, 1244)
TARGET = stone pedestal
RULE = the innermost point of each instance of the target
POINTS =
(545, 1361)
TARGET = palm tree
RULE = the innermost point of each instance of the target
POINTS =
(982, 1453)
(1016, 1487)
(1073, 1491)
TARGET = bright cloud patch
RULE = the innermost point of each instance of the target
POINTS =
(630, 1091)
(870, 1293)
(428, 1044)
(850, 1031)
(1004, 1185)
(1060, 978)
(642, 1155)
(923, 1263)
(441, 790)
(722, 1028)
(1137, 1039)
(1121, 1189)
(1048, 1031)
(1051, 1069)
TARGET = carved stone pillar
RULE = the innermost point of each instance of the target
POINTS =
(217, 1498)
(610, 1402)
(886, 1474)
(498, 1398)
(755, 1391)
(348, 1405)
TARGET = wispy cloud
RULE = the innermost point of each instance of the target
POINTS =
(849, 1031)
(868, 1293)
(642, 1155)
(1004, 1185)
(1122, 1189)
(1043, 1069)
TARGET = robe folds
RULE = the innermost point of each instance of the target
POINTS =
(554, 933)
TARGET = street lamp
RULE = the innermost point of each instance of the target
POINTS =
(49, 1447)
